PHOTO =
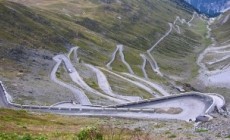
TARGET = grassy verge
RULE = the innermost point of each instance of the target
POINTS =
(21, 125)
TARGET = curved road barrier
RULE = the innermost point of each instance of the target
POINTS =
(192, 105)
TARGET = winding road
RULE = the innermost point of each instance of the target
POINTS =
(105, 86)
(119, 48)
(138, 84)
(78, 80)
(190, 105)
(218, 77)
(144, 65)
(4, 101)
(151, 59)
(149, 83)
(193, 16)
(78, 93)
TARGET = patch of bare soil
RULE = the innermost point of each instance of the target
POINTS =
(170, 110)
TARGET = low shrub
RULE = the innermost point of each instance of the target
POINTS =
(89, 133)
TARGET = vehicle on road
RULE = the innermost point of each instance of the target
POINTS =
(70, 70)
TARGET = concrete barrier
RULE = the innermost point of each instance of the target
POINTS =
(122, 109)
(64, 108)
(54, 108)
(212, 107)
(162, 99)
(222, 97)
(63, 102)
(105, 108)
(25, 107)
(148, 110)
(4, 94)
(75, 109)
(208, 100)
(34, 107)
(134, 110)
(15, 105)
(44, 107)
(97, 109)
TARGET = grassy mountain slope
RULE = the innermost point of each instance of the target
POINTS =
(24, 26)
(222, 29)
(221, 33)
(33, 31)
(177, 54)
(133, 23)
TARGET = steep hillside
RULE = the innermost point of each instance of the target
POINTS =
(23, 26)
(216, 58)
(221, 28)
(210, 7)
(88, 57)
(33, 31)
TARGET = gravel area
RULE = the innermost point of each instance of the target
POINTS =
(27, 79)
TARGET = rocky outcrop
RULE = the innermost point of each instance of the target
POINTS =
(210, 7)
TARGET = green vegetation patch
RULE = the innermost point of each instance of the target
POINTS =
(21, 125)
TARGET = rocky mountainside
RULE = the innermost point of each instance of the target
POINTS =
(161, 42)
(210, 7)
(34, 31)
(112, 51)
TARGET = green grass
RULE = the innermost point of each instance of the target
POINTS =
(172, 136)
(122, 87)
(25, 26)
(134, 60)
(177, 53)
(221, 30)
(21, 125)
(201, 130)
(99, 24)
(14, 136)
(118, 65)
(96, 27)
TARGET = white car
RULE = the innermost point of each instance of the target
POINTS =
(70, 70)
